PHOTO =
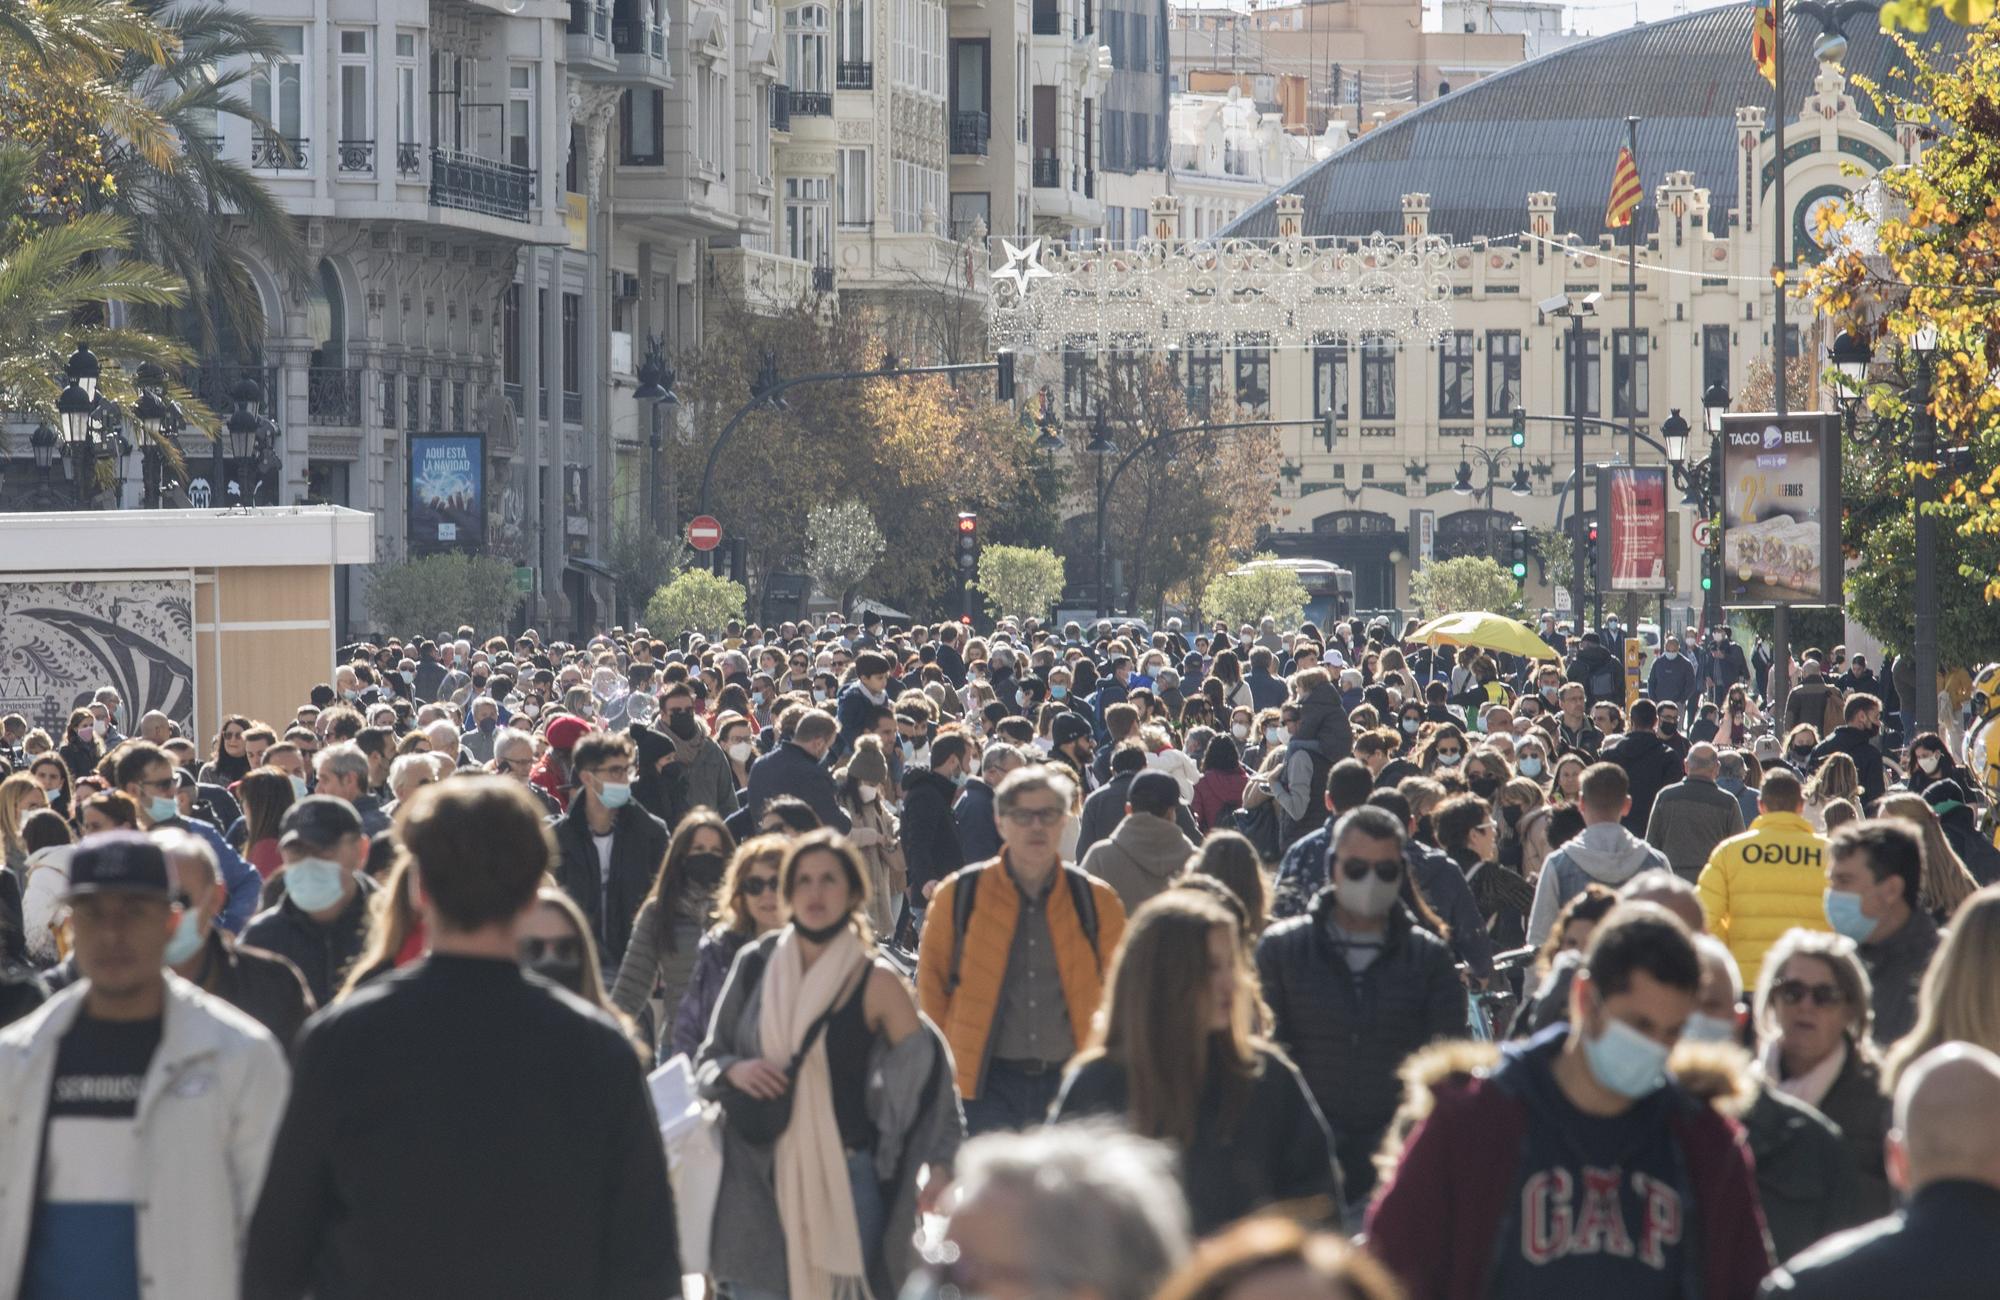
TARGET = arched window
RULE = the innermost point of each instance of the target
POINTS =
(805, 48)
(326, 319)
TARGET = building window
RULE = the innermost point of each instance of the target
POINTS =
(712, 138)
(805, 48)
(1378, 377)
(1253, 376)
(1593, 362)
(1114, 227)
(1079, 384)
(1714, 356)
(1503, 372)
(510, 335)
(852, 175)
(915, 188)
(521, 117)
(640, 113)
(1330, 380)
(1630, 379)
(572, 343)
(357, 103)
(808, 214)
(447, 122)
(967, 208)
(851, 30)
(1455, 382)
(1204, 371)
(406, 101)
(276, 94)
(1138, 49)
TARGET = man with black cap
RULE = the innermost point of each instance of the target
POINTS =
(141, 1110)
(320, 920)
(1074, 747)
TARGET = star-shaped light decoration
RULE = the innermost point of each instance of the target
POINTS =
(1023, 265)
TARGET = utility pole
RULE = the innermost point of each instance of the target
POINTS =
(1781, 613)
(1576, 535)
(1632, 347)
(1923, 453)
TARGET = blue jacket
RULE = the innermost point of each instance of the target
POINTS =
(1266, 691)
(852, 712)
(238, 877)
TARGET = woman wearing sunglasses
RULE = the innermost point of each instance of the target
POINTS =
(746, 906)
(1813, 1018)
(554, 942)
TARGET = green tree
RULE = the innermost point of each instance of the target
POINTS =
(1256, 592)
(696, 600)
(1024, 581)
(1468, 582)
(843, 546)
(419, 596)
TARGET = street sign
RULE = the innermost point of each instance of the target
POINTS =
(1704, 533)
(704, 532)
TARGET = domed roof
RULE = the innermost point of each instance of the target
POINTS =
(1555, 123)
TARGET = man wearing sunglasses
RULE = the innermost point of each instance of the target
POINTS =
(1355, 986)
(1577, 1167)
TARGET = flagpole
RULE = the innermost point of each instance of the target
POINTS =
(1632, 303)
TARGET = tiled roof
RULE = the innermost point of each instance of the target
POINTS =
(1555, 123)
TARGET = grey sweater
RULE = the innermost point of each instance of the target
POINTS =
(1689, 819)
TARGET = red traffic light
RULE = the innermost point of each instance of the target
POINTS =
(968, 523)
(1593, 532)
(965, 619)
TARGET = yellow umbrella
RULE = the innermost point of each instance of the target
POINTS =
(1487, 631)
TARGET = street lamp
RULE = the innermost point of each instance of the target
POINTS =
(1714, 405)
(81, 369)
(242, 426)
(1463, 483)
(73, 412)
(1923, 451)
(1674, 430)
(1049, 441)
(1575, 309)
(656, 388)
(1850, 357)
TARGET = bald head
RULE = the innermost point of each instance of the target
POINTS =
(1721, 984)
(1945, 1105)
(1703, 761)
(1662, 886)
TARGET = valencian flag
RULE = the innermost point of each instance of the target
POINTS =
(1625, 190)
(1764, 39)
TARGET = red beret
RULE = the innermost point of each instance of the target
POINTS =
(565, 731)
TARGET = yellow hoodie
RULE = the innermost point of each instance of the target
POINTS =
(1761, 883)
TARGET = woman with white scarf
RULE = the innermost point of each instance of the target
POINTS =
(828, 1211)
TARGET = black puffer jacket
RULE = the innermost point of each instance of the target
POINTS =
(638, 847)
(931, 849)
(1650, 766)
(1348, 1034)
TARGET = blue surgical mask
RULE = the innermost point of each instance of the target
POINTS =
(1450, 760)
(315, 884)
(1625, 1060)
(187, 937)
(298, 787)
(615, 794)
(1702, 1028)
(1059, 692)
(1410, 725)
(163, 808)
(1843, 913)
(1530, 767)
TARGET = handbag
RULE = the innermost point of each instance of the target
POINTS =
(761, 1121)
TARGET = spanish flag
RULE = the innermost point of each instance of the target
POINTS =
(1625, 191)
(1764, 39)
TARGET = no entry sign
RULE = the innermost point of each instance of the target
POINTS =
(704, 532)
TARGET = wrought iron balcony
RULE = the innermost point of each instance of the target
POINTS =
(409, 158)
(854, 76)
(631, 36)
(278, 152)
(781, 107)
(811, 103)
(212, 384)
(356, 155)
(333, 396)
(473, 184)
(572, 408)
(970, 132)
(822, 278)
(1048, 173)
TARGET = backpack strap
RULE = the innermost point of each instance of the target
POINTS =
(1084, 899)
(964, 893)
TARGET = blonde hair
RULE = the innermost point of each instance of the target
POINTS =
(14, 792)
(1946, 882)
(1959, 1000)
(392, 914)
(1837, 778)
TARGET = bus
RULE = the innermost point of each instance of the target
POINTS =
(1329, 588)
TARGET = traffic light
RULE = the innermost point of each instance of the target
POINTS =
(968, 542)
(1517, 538)
(1326, 429)
(1708, 571)
(1590, 547)
(1520, 433)
(1003, 375)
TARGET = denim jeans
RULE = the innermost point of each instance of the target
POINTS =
(871, 1219)
(1011, 1099)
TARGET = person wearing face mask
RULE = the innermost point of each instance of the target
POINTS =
(863, 783)
(928, 831)
(679, 768)
(1672, 678)
(1874, 871)
(343, 771)
(82, 749)
(1355, 986)
(477, 739)
(1669, 730)
(666, 932)
(147, 773)
(858, 703)
(1524, 1176)
(1856, 737)
(264, 986)
(611, 846)
(320, 920)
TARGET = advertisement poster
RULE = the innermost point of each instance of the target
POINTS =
(60, 641)
(447, 492)
(1634, 502)
(1780, 509)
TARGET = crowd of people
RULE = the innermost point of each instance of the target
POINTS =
(847, 960)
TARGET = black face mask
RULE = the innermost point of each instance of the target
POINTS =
(704, 870)
(1670, 726)
(1511, 814)
(1484, 786)
(563, 974)
(682, 724)
(824, 934)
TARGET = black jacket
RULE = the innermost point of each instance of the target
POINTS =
(790, 770)
(1650, 767)
(1859, 746)
(262, 985)
(322, 953)
(1348, 1033)
(1981, 858)
(426, 681)
(978, 832)
(1595, 662)
(511, 1153)
(1277, 1151)
(638, 847)
(931, 850)
(1805, 1177)
(1944, 1246)
(1896, 966)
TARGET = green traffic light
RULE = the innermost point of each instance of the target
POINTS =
(1520, 569)
(1520, 439)
(1707, 584)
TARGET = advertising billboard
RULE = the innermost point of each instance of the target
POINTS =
(60, 641)
(447, 492)
(1632, 505)
(1781, 509)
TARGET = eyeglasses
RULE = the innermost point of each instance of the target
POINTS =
(539, 950)
(1036, 816)
(1794, 992)
(1358, 869)
(754, 886)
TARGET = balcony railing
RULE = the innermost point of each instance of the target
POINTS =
(389, 411)
(854, 76)
(517, 396)
(811, 103)
(278, 152)
(356, 155)
(970, 132)
(437, 406)
(572, 408)
(212, 384)
(822, 278)
(634, 37)
(781, 107)
(474, 184)
(1048, 18)
(590, 18)
(409, 158)
(333, 396)
(1048, 173)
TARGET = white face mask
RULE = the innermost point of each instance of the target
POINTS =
(1277, 736)
(1371, 896)
(741, 751)
(1928, 762)
(1239, 730)
(869, 793)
